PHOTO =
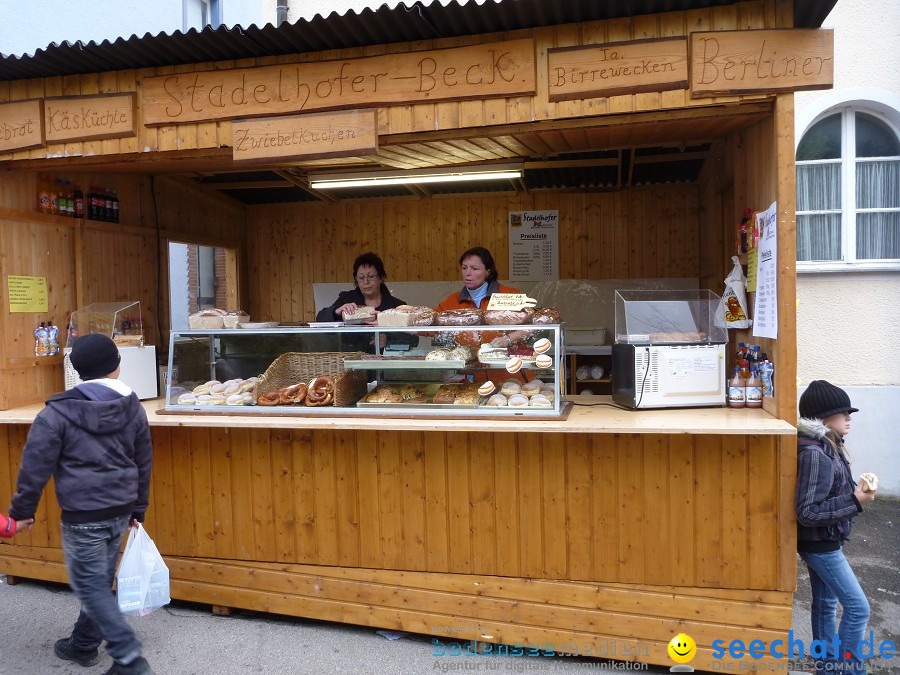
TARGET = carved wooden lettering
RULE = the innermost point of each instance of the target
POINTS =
(617, 68)
(21, 125)
(333, 134)
(731, 62)
(479, 71)
(80, 118)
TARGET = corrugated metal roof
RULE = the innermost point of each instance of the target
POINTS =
(368, 27)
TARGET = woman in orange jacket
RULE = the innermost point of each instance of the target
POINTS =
(479, 273)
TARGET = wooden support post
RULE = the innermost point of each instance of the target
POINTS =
(220, 610)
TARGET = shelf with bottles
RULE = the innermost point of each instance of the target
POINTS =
(66, 199)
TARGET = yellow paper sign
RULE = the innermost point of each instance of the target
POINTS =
(27, 294)
(752, 257)
(514, 301)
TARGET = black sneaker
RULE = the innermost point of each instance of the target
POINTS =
(137, 667)
(63, 649)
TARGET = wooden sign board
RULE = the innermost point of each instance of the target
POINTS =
(82, 118)
(617, 68)
(479, 71)
(745, 61)
(21, 125)
(334, 134)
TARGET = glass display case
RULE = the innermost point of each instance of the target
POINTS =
(668, 352)
(119, 320)
(369, 371)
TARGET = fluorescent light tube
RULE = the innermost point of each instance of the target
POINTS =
(323, 184)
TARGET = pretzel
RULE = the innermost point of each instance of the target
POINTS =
(292, 394)
(320, 391)
(272, 398)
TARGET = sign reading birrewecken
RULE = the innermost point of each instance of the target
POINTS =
(334, 134)
(21, 125)
(617, 68)
(479, 71)
(745, 61)
(82, 118)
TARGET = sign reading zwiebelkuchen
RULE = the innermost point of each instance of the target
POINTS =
(479, 71)
(334, 134)
(745, 61)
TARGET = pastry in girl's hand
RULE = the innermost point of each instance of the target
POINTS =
(868, 482)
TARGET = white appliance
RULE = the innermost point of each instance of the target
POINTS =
(666, 376)
(138, 370)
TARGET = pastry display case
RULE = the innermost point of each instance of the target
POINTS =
(351, 370)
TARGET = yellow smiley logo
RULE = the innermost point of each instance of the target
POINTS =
(682, 648)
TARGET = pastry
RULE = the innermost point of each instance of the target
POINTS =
(531, 388)
(320, 391)
(216, 399)
(488, 352)
(496, 400)
(364, 312)
(487, 388)
(507, 317)
(540, 401)
(235, 399)
(384, 395)
(460, 317)
(868, 482)
(509, 387)
(549, 394)
(187, 399)
(466, 397)
(517, 401)
(462, 354)
(543, 361)
(542, 345)
(514, 364)
(440, 354)
(412, 394)
(446, 393)
(546, 315)
(247, 385)
(425, 318)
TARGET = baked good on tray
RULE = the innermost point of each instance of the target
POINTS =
(460, 317)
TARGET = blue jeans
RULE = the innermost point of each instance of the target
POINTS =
(833, 581)
(91, 551)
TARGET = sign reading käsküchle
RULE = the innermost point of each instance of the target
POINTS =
(617, 68)
(746, 61)
(334, 134)
(21, 125)
(80, 118)
(478, 71)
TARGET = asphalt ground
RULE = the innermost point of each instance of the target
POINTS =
(187, 639)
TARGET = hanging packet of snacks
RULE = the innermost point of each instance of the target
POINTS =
(732, 312)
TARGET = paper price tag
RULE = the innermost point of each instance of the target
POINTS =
(514, 301)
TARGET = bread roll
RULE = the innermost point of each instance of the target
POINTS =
(510, 387)
(506, 317)
(868, 482)
(496, 400)
(517, 401)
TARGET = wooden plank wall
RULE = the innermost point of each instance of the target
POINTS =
(419, 117)
(88, 261)
(636, 233)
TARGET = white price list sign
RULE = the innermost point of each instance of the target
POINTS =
(765, 308)
(533, 245)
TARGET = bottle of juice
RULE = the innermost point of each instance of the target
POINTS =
(79, 201)
(43, 194)
(766, 374)
(736, 390)
(52, 339)
(55, 189)
(745, 369)
(754, 392)
(40, 340)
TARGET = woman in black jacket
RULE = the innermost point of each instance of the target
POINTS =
(827, 500)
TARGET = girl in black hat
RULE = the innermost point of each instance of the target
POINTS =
(827, 500)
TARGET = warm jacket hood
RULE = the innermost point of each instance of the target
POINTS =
(811, 428)
(96, 417)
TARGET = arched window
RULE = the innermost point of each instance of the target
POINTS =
(848, 189)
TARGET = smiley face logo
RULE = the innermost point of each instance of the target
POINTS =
(682, 648)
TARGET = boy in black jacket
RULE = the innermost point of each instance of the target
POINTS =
(95, 442)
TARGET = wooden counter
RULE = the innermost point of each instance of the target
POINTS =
(615, 529)
(586, 418)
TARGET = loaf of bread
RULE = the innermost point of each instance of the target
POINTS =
(546, 315)
(507, 317)
(460, 317)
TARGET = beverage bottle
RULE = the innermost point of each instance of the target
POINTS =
(108, 206)
(79, 201)
(755, 358)
(43, 194)
(745, 369)
(753, 390)
(766, 373)
(743, 233)
(52, 339)
(40, 340)
(736, 390)
(66, 207)
(55, 189)
(740, 352)
(115, 207)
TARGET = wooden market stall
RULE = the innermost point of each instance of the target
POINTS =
(611, 529)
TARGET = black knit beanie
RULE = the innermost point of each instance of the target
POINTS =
(822, 399)
(94, 356)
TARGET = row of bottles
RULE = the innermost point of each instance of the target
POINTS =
(59, 197)
(752, 378)
(46, 339)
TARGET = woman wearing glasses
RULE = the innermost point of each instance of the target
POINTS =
(369, 291)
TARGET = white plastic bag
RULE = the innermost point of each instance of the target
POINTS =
(142, 581)
(732, 312)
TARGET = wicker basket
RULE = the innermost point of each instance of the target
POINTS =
(296, 367)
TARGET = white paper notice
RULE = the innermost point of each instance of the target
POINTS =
(533, 245)
(765, 307)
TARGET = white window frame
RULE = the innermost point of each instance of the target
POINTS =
(886, 108)
(214, 13)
